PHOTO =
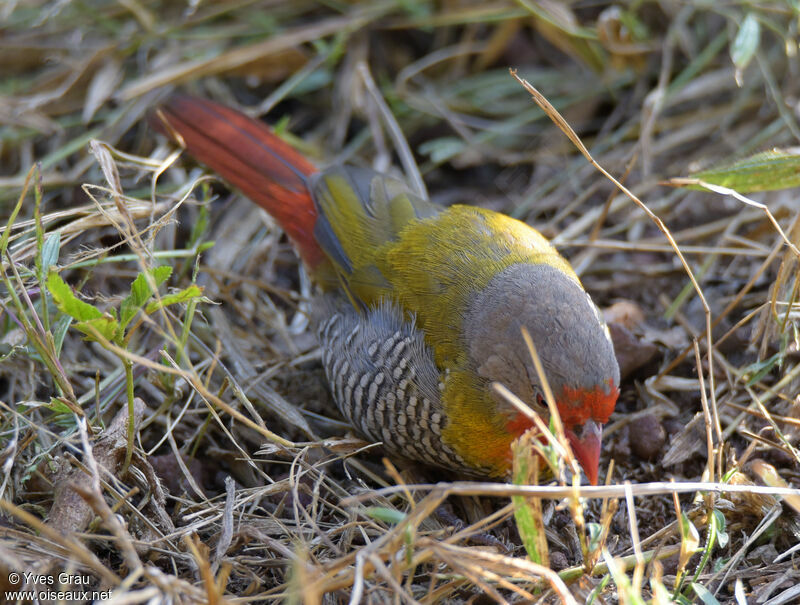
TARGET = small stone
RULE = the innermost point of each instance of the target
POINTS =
(625, 312)
(647, 437)
(672, 425)
(632, 351)
(558, 560)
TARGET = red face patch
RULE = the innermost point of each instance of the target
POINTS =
(519, 424)
(576, 406)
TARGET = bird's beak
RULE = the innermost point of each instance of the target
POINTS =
(585, 445)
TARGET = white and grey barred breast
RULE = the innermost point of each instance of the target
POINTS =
(384, 380)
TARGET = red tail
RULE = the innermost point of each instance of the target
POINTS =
(246, 153)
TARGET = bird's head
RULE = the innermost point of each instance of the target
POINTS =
(571, 340)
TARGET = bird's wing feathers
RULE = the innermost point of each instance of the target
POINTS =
(384, 242)
(360, 212)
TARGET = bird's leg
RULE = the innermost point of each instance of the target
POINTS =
(482, 538)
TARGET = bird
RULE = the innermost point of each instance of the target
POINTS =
(421, 307)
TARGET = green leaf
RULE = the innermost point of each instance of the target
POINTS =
(442, 149)
(719, 564)
(50, 251)
(722, 535)
(525, 517)
(317, 79)
(184, 295)
(756, 371)
(200, 226)
(528, 511)
(60, 331)
(745, 44)
(625, 588)
(58, 407)
(8, 350)
(107, 326)
(690, 539)
(595, 533)
(387, 515)
(67, 302)
(765, 171)
(633, 24)
(704, 594)
(141, 293)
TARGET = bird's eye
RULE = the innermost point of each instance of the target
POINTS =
(540, 400)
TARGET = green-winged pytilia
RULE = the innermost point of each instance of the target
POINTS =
(421, 306)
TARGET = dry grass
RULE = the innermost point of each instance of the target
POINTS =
(243, 485)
